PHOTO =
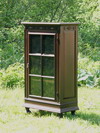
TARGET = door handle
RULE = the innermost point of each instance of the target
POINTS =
(27, 66)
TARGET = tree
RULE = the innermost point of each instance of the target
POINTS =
(14, 11)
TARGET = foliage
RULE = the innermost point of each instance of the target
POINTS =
(12, 12)
(11, 48)
(88, 72)
(14, 118)
(12, 76)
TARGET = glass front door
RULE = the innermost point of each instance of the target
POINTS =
(42, 65)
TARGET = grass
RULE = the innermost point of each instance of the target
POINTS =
(13, 118)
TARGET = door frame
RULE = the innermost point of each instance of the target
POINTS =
(56, 49)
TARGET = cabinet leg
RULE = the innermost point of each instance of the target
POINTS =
(73, 112)
(60, 115)
(28, 110)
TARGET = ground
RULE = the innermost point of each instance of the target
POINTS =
(13, 118)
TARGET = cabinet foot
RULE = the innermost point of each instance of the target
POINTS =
(72, 112)
(28, 110)
(60, 115)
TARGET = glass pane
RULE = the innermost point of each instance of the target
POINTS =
(48, 88)
(35, 65)
(48, 44)
(48, 66)
(35, 86)
(35, 44)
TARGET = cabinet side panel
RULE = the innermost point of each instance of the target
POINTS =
(61, 64)
(69, 66)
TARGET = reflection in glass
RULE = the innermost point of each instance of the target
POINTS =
(35, 65)
(48, 44)
(35, 86)
(35, 44)
(48, 66)
(48, 88)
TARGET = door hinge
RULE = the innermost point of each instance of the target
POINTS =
(58, 39)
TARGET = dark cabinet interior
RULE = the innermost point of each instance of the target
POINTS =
(42, 65)
(51, 66)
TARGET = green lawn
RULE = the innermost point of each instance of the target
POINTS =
(13, 118)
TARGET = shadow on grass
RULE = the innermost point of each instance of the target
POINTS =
(41, 113)
(91, 118)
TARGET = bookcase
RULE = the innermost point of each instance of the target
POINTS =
(51, 66)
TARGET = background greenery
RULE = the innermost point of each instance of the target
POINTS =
(12, 12)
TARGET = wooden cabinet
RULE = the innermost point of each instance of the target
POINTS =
(51, 66)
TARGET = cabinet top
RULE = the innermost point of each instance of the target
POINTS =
(47, 23)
